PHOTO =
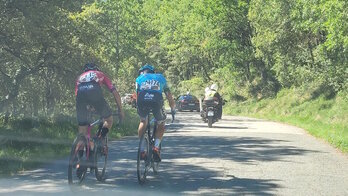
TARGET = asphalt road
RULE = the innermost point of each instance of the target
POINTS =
(238, 156)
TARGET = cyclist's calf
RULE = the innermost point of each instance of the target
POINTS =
(142, 126)
(160, 130)
(108, 122)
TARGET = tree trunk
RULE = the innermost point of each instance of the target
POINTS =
(7, 116)
(117, 55)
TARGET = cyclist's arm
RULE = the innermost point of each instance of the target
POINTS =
(170, 99)
(103, 79)
(169, 95)
(76, 86)
(117, 98)
(137, 87)
(107, 82)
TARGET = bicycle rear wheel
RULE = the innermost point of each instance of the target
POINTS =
(77, 167)
(143, 163)
(100, 158)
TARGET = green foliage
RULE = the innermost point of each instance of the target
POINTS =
(27, 142)
(38, 47)
(130, 125)
(302, 41)
(195, 86)
(251, 48)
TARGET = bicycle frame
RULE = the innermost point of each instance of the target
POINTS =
(89, 128)
(151, 134)
(145, 164)
(83, 143)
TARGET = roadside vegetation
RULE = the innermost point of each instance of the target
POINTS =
(323, 117)
(26, 143)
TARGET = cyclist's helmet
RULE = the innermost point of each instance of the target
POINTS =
(146, 68)
(214, 87)
(90, 66)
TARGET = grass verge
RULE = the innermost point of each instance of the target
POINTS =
(27, 143)
(323, 117)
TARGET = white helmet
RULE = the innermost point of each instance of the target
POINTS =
(206, 89)
(214, 87)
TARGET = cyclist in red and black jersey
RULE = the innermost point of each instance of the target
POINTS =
(88, 92)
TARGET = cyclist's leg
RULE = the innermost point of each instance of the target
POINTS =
(141, 129)
(143, 114)
(103, 109)
(160, 116)
(160, 131)
(108, 122)
(143, 108)
(142, 126)
(81, 113)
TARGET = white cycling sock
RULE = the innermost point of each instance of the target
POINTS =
(157, 142)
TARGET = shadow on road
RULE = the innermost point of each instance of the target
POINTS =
(241, 149)
(188, 167)
(215, 126)
(185, 166)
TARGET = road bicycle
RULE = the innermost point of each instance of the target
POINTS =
(88, 152)
(145, 164)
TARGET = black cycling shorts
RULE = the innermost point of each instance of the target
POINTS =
(144, 107)
(90, 94)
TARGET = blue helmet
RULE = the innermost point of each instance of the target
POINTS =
(90, 66)
(148, 67)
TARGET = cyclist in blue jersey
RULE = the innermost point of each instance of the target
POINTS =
(150, 87)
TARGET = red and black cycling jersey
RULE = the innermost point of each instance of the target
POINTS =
(94, 76)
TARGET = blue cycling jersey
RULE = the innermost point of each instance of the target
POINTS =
(151, 83)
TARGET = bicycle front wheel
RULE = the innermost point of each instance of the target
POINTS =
(143, 160)
(77, 167)
(100, 158)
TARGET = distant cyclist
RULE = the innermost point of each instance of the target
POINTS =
(150, 87)
(88, 92)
